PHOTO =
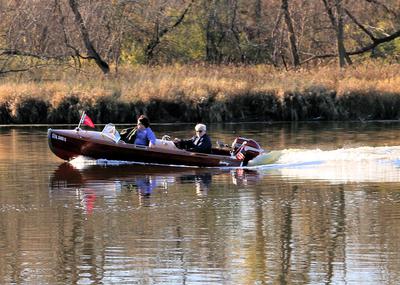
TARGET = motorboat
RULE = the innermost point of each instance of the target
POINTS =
(68, 144)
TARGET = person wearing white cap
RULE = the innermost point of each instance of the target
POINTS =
(201, 142)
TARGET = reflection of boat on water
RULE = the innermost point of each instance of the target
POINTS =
(91, 182)
(67, 175)
(137, 176)
(69, 144)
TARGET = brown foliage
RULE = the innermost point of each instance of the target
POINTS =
(209, 93)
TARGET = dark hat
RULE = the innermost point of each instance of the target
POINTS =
(144, 121)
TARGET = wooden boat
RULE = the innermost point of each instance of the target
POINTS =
(69, 144)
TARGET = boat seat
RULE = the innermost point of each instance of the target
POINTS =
(165, 144)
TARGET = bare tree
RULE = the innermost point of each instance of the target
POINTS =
(34, 34)
(337, 24)
(340, 33)
(292, 34)
(51, 32)
(160, 32)
(214, 33)
(343, 54)
(28, 39)
(92, 52)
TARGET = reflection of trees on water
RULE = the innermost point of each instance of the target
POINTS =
(260, 230)
(315, 235)
(202, 182)
(305, 243)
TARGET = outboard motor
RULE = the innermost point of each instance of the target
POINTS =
(250, 148)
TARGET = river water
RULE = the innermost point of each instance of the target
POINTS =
(323, 207)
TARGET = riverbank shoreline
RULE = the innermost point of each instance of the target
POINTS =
(205, 94)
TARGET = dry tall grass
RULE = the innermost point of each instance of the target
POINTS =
(213, 93)
(172, 82)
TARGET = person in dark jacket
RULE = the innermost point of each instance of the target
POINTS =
(201, 142)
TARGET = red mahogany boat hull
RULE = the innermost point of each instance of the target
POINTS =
(69, 144)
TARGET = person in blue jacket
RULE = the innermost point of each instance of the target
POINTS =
(141, 134)
(201, 142)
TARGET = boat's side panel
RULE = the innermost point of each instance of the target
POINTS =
(145, 155)
(64, 147)
(68, 144)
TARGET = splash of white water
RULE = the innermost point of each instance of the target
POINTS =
(362, 164)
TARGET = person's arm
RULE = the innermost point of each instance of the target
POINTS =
(128, 135)
(125, 132)
(185, 144)
(151, 137)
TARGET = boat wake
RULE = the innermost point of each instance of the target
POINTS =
(82, 162)
(362, 164)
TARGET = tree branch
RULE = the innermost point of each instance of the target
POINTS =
(330, 13)
(2, 71)
(361, 26)
(159, 34)
(376, 43)
(178, 21)
(62, 22)
(387, 9)
(86, 39)
(361, 50)
(13, 52)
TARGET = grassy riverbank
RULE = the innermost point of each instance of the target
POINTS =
(204, 93)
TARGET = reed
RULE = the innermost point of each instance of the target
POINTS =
(191, 93)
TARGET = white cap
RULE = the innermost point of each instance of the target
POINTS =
(200, 127)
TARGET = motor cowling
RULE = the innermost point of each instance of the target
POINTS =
(250, 147)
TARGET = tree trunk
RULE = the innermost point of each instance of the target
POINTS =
(258, 19)
(212, 54)
(149, 51)
(340, 34)
(92, 53)
(335, 25)
(292, 35)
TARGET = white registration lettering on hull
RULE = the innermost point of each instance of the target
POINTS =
(58, 137)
